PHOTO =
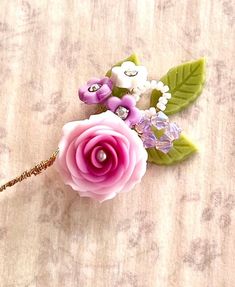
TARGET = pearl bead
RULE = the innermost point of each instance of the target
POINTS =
(159, 85)
(153, 84)
(163, 100)
(136, 96)
(147, 85)
(161, 106)
(165, 89)
(167, 95)
(101, 156)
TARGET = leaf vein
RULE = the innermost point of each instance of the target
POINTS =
(186, 79)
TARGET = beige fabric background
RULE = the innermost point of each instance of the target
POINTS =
(177, 227)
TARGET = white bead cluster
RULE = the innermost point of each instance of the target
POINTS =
(148, 86)
(166, 95)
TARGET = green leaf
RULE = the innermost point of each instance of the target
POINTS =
(119, 92)
(185, 82)
(182, 149)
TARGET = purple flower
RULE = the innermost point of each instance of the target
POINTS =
(96, 91)
(125, 108)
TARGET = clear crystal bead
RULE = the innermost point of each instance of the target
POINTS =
(149, 139)
(173, 131)
(94, 88)
(164, 144)
(160, 120)
(131, 73)
(122, 112)
(143, 125)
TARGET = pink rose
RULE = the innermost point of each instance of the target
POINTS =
(101, 156)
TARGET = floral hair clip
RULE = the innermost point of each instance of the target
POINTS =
(107, 154)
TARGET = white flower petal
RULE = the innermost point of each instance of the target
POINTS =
(116, 69)
(128, 65)
(121, 79)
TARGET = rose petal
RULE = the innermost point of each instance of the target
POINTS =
(78, 165)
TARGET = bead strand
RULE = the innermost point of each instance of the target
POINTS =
(148, 86)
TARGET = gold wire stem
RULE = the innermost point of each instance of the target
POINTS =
(37, 169)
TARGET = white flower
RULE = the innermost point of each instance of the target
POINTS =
(128, 75)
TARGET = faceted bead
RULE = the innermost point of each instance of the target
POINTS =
(143, 125)
(149, 139)
(173, 131)
(160, 121)
(122, 112)
(164, 144)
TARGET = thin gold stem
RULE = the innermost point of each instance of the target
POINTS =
(37, 169)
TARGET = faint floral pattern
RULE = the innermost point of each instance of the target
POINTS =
(201, 254)
(165, 4)
(207, 214)
(192, 34)
(51, 211)
(129, 279)
(26, 25)
(220, 209)
(4, 149)
(138, 228)
(224, 221)
(228, 9)
(139, 231)
(3, 132)
(3, 233)
(225, 82)
(190, 197)
(67, 54)
(49, 112)
(216, 198)
(27, 13)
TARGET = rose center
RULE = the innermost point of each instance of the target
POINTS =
(130, 73)
(101, 155)
(122, 112)
(94, 88)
